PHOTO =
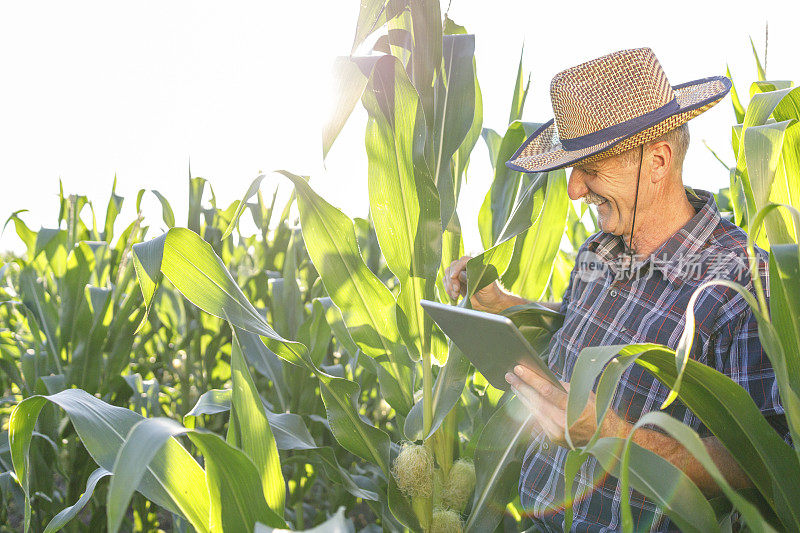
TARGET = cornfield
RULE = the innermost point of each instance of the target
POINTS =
(210, 379)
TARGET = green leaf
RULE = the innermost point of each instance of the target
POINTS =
(45, 313)
(502, 195)
(762, 75)
(234, 488)
(738, 108)
(350, 77)
(498, 458)
(404, 202)
(173, 480)
(447, 390)
(763, 146)
(572, 465)
(199, 274)
(266, 363)
(454, 112)
(520, 92)
(367, 306)
(356, 435)
(250, 426)
(374, 14)
(461, 157)
(660, 481)
(424, 23)
(784, 281)
(71, 291)
(690, 440)
(210, 403)
(493, 141)
(67, 514)
(251, 191)
(535, 251)
(166, 209)
(289, 430)
(721, 405)
(196, 188)
(112, 211)
(334, 318)
(484, 268)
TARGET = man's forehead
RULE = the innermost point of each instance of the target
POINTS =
(594, 165)
(607, 163)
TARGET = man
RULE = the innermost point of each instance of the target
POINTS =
(622, 128)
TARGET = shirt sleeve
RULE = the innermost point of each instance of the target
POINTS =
(740, 356)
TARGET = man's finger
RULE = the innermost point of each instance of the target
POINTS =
(545, 415)
(541, 385)
(455, 277)
(458, 266)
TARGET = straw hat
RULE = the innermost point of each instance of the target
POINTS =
(609, 105)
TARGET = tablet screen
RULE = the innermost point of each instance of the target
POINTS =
(491, 342)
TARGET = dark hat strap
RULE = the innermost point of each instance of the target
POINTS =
(631, 251)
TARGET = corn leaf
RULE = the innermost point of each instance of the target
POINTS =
(660, 481)
(461, 157)
(65, 515)
(454, 114)
(498, 458)
(199, 274)
(251, 429)
(404, 202)
(763, 146)
(350, 77)
(233, 485)
(447, 390)
(536, 249)
(166, 210)
(520, 92)
(374, 14)
(367, 306)
(502, 195)
(484, 268)
(173, 480)
(691, 441)
(721, 405)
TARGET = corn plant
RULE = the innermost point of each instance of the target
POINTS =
(162, 369)
(424, 107)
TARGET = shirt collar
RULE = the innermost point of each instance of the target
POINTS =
(671, 256)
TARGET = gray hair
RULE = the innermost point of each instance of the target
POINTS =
(677, 138)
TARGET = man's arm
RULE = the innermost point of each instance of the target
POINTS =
(549, 406)
(493, 298)
(510, 300)
(674, 452)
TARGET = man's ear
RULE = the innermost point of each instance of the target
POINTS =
(660, 160)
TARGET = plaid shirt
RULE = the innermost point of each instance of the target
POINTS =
(604, 307)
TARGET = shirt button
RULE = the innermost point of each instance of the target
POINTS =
(545, 446)
(613, 293)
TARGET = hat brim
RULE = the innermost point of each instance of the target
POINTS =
(542, 151)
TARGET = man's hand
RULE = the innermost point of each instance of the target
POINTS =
(549, 408)
(490, 298)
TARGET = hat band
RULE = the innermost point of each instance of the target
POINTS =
(618, 130)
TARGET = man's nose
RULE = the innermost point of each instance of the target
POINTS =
(576, 187)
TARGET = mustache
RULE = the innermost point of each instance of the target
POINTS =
(593, 198)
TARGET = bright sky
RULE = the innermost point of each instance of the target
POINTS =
(138, 89)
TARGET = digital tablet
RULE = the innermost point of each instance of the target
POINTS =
(492, 342)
